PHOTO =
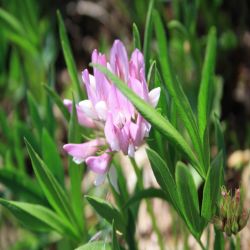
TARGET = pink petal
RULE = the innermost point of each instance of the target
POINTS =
(154, 96)
(82, 118)
(81, 151)
(90, 85)
(99, 164)
(119, 60)
(110, 133)
(136, 64)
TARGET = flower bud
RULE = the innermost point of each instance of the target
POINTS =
(232, 216)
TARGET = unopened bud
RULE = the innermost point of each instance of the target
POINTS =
(217, 223)
(243, 219)
(232, 217)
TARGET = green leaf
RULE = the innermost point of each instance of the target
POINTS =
(136, 37)
(176, 91)
(151, 74)
(212, 186)
(37, 217)
(58, 102)
(4, 126)
(146, 193)
(34, 113)
(75, 171)
(98, 245)
(188, 197)
(21, 184)
(69, 57)
(115, 244)
(11, 21)
(175, 24)
(152, 116)
(107, 211)
(164, 177)
(206, 82)
(52, 189)
(148, 34)
(51, 157)
(219, 137)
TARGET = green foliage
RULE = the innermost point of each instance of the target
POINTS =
(69, 57)
(212, 187)
(108, 212)
(38, 218)
(188, 198)
(156, 119)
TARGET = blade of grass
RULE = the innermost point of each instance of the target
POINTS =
(75, 171)
(148, 35)
(136, 37)
(67, 52)
(52, 189)
(38, 217)
(206, 83)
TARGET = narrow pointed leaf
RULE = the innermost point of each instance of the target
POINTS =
(21, 184)
(206, 82)
(164, 177)
(175, 89)
(188, 197)
(68, 56)
(34, 113)
(107, 211)
(148, 34)
(150, 114)
(136, 37)
(212, 186)
(52, 189)
(37, 217)
(75, 171)
(51, 157)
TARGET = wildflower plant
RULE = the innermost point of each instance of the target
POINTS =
(127, 102)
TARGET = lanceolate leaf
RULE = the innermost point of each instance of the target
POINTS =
(38, 218)
(188, 197)
(148, 34)
(52, 189)
(20, 184)
(51, 157)
(68, 56)
(164, 177)
(156, 119)
(175, 89)
(206, 82)
(136, 37)
(75, 171)
(108, 212)
(212, 187)
(34, 113)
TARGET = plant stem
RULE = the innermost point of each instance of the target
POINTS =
(237, 242)
(201, 244)
(148, 204)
